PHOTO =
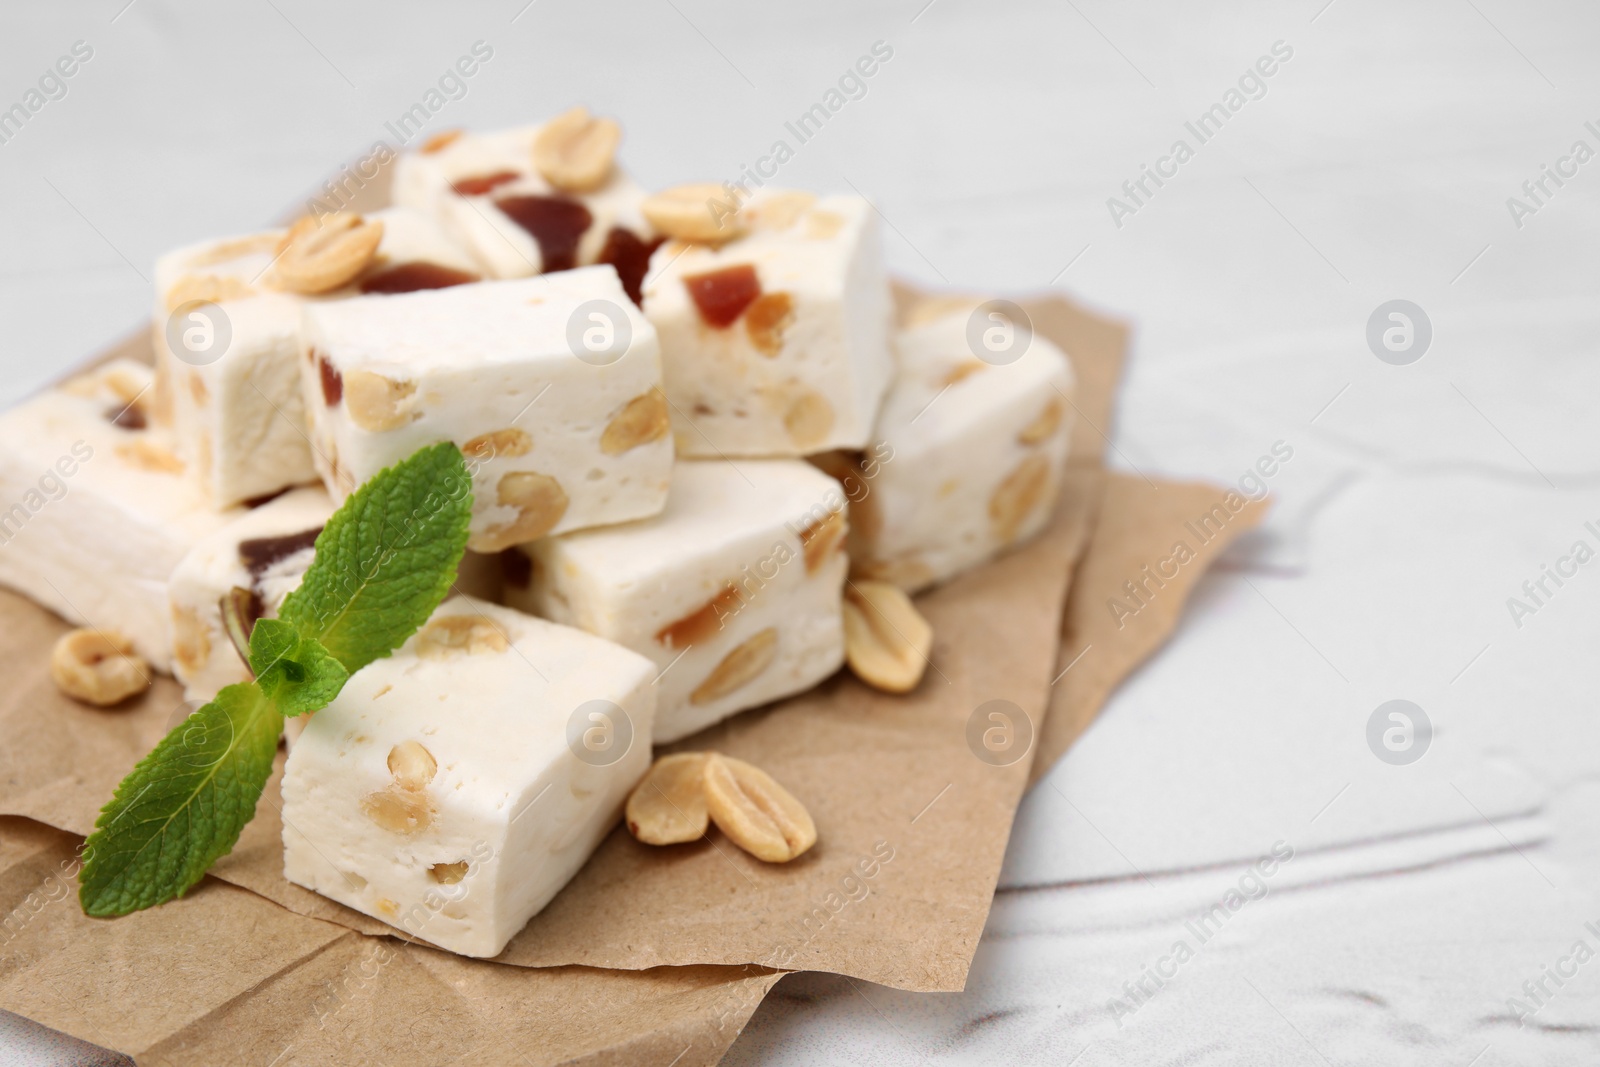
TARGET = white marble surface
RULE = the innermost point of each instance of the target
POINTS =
(1419, 898)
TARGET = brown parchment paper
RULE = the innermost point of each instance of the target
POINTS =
(1108, 629)
(913, 827)
(229, 978)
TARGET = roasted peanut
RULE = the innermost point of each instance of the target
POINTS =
(459, 635)
(642, 420)
(320, 255)
(1014, 499)
(886, 640)
(412, 765)
(377, 404)
(808, 417)
(501, 444)
(755, 812)
(701, 213)
(669, 806)
(575, 151)
(738, 668)
(540, 502)
(98, 668)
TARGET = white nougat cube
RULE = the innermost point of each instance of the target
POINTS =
(230, 373)
(556, 442)
(968, 459)
(786, 351)
(452, 789)
(485, 191)
(95, 511)
(266, 551)
(733, 591)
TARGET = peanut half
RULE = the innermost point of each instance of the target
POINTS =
(575, 151)
(98, 668)
(886, 640)
(669, 806)
(320, 255)
(704, 213)
(738, 668)
(642, 420)
(755, 812)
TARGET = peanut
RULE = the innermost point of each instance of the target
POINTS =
(98, 668)
(642, 420)
(501, 444)
(778, 211)
(575, 151)
(207, 288)
(1015, 498)
(808, 417)
(147, 455)
(377, 404)
(669, 805)
(1044, 426)
(738, 668)
(886, 640)
(540, 502)
(402, 811)
(459, 634)
(702, 213)
(818, 540)
(412, 765)
(320, 255)
(755, 812)
(703, 622)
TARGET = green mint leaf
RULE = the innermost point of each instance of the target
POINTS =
(386, 559)
(296, 673)
(183, 806)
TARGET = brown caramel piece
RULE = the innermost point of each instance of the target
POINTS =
(722, 295)
(767, 319)
(703, 623)
(332, 381)
(414, 277)
(557, 224)
(630, 255)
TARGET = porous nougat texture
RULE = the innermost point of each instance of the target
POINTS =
(238, 418)
(733, 591)
(554, 442)
(95, 508)
(265, 551)
(967, 461)
(452, 789)
(803, 364)
(478, 186)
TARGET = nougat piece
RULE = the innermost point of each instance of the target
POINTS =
(556, 438)
(968, 459)
(487, 192)
(95, 509)
(776, 343)
(231, 381)
(733, 591)
(265, 551)
(452, 789)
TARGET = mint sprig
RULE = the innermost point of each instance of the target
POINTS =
(383, 563)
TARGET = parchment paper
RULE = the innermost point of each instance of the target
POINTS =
(913, 824)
